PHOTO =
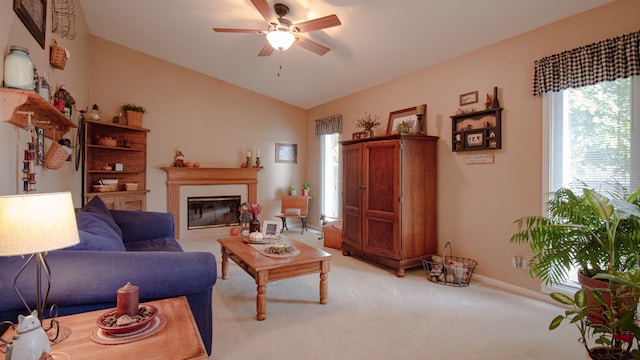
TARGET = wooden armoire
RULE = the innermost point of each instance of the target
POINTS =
(389, 199)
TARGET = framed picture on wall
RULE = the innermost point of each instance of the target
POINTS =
(286, 153)
(33, 14)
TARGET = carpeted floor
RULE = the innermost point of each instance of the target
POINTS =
(372, 314)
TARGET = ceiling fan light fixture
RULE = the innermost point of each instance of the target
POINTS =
(280, 39)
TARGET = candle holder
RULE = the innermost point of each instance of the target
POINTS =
(420, 126)
(258, 161)
(248, 161)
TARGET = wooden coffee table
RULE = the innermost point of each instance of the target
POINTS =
(179, 339)
(264, 268)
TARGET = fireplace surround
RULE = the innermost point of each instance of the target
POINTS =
(177, 177)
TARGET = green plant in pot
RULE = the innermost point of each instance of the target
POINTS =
(617, 336)
(599, 235)
(292, 190)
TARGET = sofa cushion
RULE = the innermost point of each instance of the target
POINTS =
(96, 234)
(97, 206)
(160, 244)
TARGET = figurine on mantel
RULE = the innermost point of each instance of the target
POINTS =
(179, 159)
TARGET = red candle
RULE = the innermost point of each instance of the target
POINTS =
(127, 301)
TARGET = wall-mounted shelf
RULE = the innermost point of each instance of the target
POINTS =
(478, 130)
(46, 116)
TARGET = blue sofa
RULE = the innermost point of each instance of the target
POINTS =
(117, 247)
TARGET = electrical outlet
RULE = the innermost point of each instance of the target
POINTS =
(518, 262)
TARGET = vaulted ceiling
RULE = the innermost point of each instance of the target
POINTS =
(379, 40)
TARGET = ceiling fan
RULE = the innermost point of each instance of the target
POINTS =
(282, 33)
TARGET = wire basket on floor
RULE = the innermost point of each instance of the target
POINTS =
(448, 270)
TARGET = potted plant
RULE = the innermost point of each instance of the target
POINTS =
(597, 234)
(305, 189)
(615, 338)
(367, 123)
(292, 190)
(133, 113)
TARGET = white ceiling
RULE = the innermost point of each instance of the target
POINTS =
(378, 40)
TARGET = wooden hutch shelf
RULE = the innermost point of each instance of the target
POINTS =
(46, 116)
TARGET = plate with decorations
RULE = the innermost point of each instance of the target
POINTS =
(278, 250)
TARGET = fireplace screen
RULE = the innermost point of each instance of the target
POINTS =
(213, 211)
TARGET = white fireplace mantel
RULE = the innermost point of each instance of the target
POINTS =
(177, 177)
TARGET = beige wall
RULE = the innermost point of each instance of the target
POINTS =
(13, 140)
(211, 121)
(478, 203)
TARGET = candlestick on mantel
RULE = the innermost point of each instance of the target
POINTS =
(248, 154)
(258, 153)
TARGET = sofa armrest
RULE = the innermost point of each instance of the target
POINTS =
(143, 225)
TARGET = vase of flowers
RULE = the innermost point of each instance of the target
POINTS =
(254, 224)
(367, 122)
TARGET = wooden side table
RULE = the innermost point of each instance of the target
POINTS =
(179, 339)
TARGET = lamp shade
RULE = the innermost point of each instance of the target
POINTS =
(280, 39)
(37, 223)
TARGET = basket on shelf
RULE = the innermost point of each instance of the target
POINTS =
(56, 156)
(134, 118)
(57, 56)
(448, 270)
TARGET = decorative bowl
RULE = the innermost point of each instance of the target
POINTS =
(125, 329)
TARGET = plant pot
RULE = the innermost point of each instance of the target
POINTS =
(292, 192)
(305, 192)
(590, 283)
(601, 353)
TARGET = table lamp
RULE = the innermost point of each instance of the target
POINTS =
(33, 224)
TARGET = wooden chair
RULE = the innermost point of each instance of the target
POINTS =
(294, 207)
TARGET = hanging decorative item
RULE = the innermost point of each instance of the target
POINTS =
(63, 18)
(28, 164)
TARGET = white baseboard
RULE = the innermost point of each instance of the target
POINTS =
(513, 289)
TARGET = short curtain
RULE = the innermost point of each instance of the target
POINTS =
(329, 125)
(606, 60)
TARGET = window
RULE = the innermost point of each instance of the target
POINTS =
(330, 176)
(593, 136)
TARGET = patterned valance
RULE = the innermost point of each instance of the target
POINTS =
(329, 125)
(606, 60)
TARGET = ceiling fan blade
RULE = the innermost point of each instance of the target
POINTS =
(317, 24)
(266, 50)
(249, 31)
(265, 10)
(312, 46)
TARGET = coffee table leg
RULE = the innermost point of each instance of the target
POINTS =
(225, 263)
(324, 282)
(261, 299)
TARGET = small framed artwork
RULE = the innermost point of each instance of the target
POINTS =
(33, 14)
(409, 116)
(286, 153)
(357, 135)
(469, 98)
(270, 229)
(475, 139)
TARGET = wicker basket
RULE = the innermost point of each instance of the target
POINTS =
(448, 270)
(56, 156)
(134, 118)
(57, 56)
(332, 233)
